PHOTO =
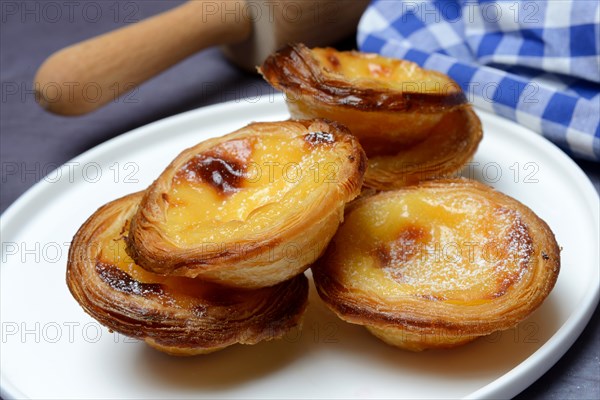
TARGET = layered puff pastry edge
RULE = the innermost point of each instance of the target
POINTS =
(252, 208)
(438, 264)
(176, 315)
(413, 123)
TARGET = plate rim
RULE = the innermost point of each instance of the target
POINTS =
(507, 385)
(544, 358)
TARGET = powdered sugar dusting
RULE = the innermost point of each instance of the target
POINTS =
(481, 253)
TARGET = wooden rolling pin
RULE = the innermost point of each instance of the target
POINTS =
(113, 63)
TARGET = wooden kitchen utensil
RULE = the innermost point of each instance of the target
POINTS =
(118, 61)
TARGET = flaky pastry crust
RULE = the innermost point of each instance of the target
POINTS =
(414, 124)
(438, 264)
(450, 145)
(252, 208)
(176, 315)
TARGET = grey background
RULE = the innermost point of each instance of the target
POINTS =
(35, 142)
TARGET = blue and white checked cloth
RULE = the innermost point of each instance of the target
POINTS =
(534, 62)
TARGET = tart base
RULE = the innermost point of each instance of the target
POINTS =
(438, 264)
(176, 315)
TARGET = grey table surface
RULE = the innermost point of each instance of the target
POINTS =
(33, 141)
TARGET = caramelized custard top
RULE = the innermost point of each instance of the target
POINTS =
(122, 274)
(372, 70)
(256, 179)
(436, 246)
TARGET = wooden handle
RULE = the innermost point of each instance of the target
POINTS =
(87, 75)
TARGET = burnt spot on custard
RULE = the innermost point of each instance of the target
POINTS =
(224, 175)
(223, 167)
(121, 281)
(333, 60)
(319, 138)
(408, 244)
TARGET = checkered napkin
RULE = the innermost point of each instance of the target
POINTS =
(535, 62)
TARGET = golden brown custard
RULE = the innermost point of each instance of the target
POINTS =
(374, 71)
(177, 315)
(249, 181)
(395, 108)
(438, 264)
(252, 208)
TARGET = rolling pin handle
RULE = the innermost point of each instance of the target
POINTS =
(83, 77)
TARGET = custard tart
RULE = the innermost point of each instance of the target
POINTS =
(397, 110)
(250, 209)
(176, 315)
(438, 264)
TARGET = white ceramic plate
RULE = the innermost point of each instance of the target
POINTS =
(52, 349)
